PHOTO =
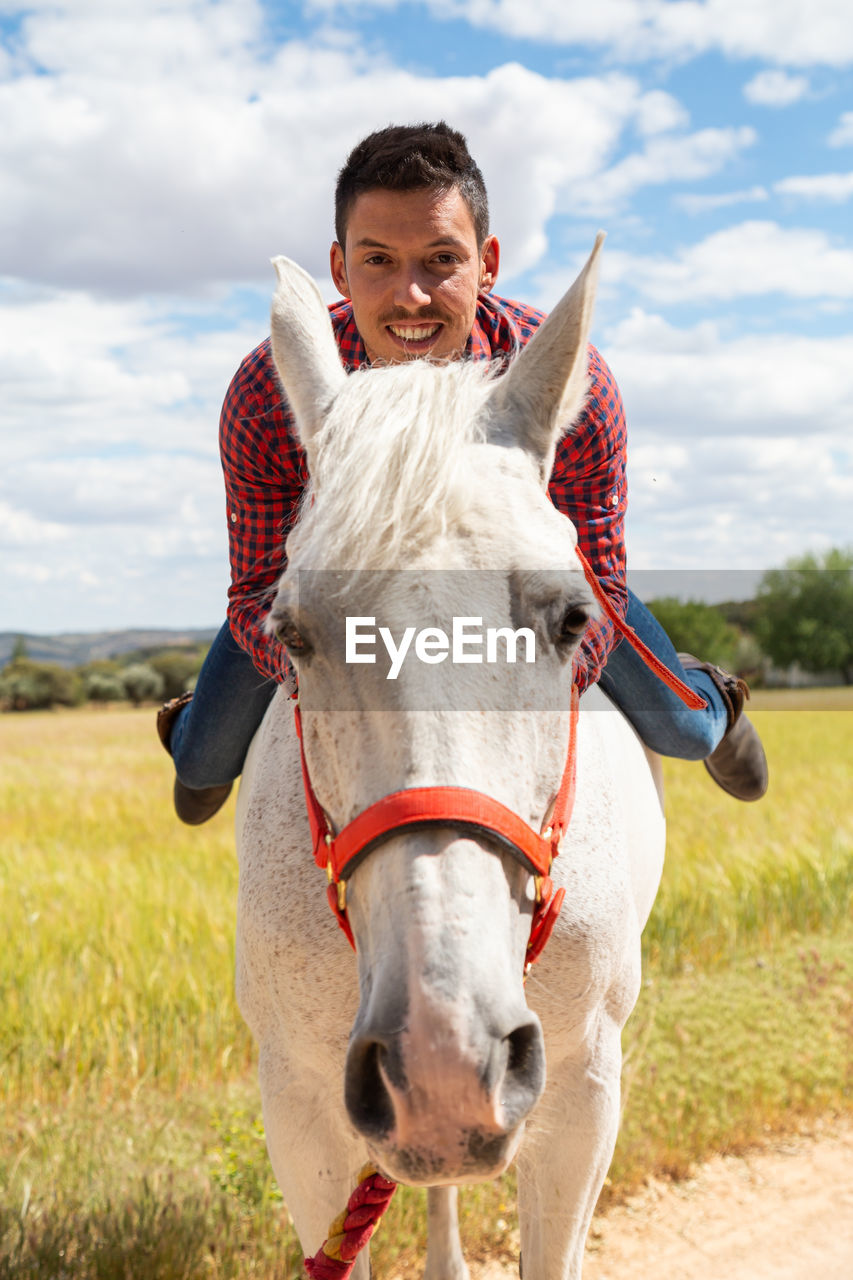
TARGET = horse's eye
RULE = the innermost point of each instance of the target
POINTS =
(292, 638)
(573, 622)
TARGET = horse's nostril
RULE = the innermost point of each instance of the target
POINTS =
(367, 1099)
(524, 1078)
(521, 1048)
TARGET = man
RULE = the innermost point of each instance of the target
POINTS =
(416, 266)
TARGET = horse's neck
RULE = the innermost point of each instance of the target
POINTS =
(633, 778)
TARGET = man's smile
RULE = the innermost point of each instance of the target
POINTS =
(415, 337)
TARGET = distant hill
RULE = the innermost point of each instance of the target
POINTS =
(72, 649)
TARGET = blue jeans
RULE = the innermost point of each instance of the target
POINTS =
(661, 719)
(211, 734)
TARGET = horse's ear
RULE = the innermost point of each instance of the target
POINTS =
(543, 390)
(304, 349)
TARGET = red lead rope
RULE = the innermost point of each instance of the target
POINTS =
(687, 695)
(352, 1229)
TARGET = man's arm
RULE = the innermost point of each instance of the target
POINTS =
(264, 471)
(588, 484)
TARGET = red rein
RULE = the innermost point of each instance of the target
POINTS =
(471, 810)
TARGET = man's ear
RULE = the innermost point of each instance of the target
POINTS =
(337, 266)
(490, 257)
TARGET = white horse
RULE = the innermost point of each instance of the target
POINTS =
(424, 1051)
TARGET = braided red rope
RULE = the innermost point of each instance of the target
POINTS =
(352, 1229)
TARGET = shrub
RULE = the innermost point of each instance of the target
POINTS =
(697, 628)
(104, 686)
(26, 685)
(178, 668)
(805, 613)
(142, 683)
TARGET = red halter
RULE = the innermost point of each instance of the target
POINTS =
(472, 810)
(451, 806)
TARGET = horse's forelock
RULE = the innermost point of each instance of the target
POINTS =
(387, 473)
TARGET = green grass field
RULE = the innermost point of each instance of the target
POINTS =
(132, 1144)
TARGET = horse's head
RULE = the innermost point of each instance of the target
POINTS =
(428, 510)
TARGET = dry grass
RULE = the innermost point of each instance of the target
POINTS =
(747, 875)
(132, 1144)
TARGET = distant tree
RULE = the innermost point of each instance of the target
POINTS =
(748, 659)
(26, 685)
(104, 686)
(142, 683)
(104, 666)
(739, 614)
(178, 667)
(19, 649)
(805, 613)
(697, 628)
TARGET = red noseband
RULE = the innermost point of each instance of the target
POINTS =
(472, 811)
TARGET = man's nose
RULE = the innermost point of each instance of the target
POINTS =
(412, 289)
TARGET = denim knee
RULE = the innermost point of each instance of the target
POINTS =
(211, 735)
(196, 765)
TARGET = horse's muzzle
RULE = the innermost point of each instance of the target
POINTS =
(435, 1111)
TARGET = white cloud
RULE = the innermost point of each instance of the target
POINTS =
(842, 134)
(735, 445)
(111, 542)
(753, 258)
(166, 174)
(664, 160)
(151, 153)
(775, 89)
(659, 112)
(694, 382)
(145, 157)
(835, 187)
(784, 31)
(695, 204)
(85, 374)
(168, 490)
(21, 529)
(111, 473)
(176, 150)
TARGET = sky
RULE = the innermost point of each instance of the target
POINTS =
(154, 156)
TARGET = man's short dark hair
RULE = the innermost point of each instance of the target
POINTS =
(412, 158)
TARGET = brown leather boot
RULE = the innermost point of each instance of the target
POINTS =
(738, 763)
(192, 805)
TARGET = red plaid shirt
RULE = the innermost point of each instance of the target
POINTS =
(265, 475)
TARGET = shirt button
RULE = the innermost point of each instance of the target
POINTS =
(233, 517)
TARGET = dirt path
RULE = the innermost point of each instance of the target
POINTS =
(781, 1214)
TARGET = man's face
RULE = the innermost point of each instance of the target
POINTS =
(412, 269)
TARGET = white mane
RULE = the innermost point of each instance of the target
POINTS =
(387, 470)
